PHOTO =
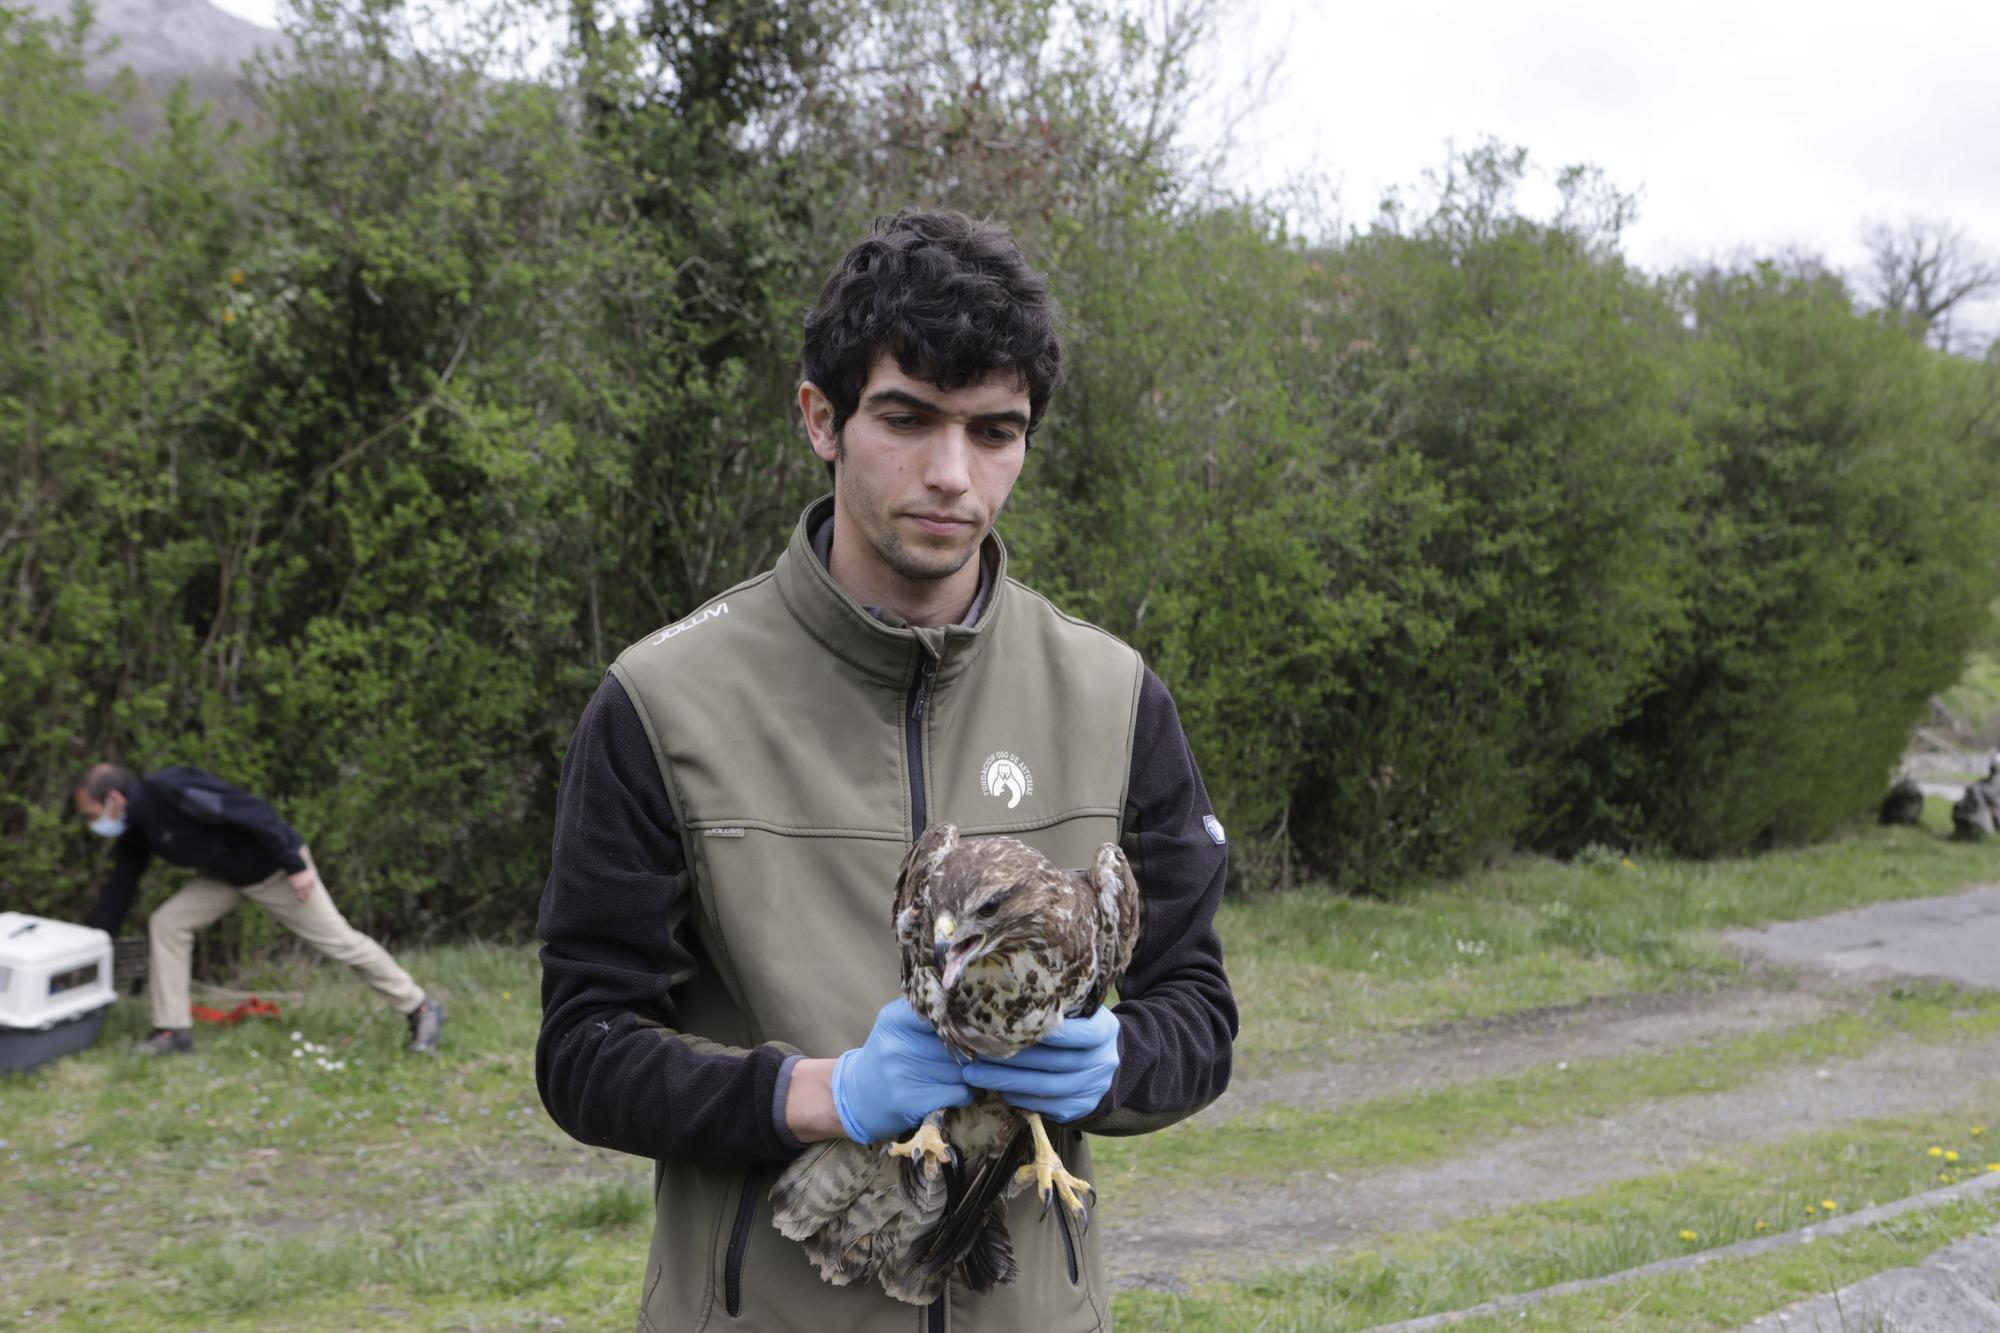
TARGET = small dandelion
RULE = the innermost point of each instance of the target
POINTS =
(1628, 863)
(1937, 1152)
(1829, 1205)
(1945, 1177)
(1762, 1225)
(1951, 1157)
(1811, 1208)
(229, 317)
(1977, 1130)
(236, 277)
(1993, 1166)
(506, 995)
(1689, 1236)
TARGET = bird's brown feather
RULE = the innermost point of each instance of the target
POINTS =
(1047, 944)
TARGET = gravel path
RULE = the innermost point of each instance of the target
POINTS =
(1593, 1030)
(1184, 1235)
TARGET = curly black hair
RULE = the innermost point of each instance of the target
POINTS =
(953, 300)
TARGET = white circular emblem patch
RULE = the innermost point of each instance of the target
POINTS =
(1005, 775)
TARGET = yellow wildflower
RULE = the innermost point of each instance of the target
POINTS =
(1829, 1205)
(1761, 1225)
(229, 317)
(1977, 1130)
(1689, 1235)
(236, 277)
(1811, 1208)
(1993, 1166)
(1944, 1177)
(1628, 863)
(1951, 1157)
(1937, 1152)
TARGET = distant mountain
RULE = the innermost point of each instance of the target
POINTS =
(164, 41)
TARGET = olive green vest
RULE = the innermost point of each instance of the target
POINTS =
(784, 717)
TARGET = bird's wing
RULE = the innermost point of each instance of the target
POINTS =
(1114, 896)
(913, 879)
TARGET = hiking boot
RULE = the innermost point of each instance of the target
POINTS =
(166, 1041)
(426, 1021)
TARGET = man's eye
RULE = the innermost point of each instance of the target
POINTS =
(999, 435)
(902, 421)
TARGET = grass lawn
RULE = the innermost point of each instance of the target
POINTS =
(1318, 975)
(331, 1182)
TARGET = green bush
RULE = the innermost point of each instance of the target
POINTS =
(1844, 561)
(341, 453)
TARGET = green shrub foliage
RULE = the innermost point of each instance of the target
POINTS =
(340, 451)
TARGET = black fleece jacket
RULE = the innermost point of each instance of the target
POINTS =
(616, 931)
(197, 820)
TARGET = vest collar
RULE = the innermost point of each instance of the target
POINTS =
(888, 651)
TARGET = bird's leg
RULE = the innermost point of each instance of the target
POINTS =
(1052, 1179)
(926, 1148)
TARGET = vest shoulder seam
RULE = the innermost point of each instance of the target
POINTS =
(647, 639)
(1078, 621)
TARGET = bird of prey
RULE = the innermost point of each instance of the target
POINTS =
(998, 947)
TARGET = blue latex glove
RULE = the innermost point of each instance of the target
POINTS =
(890, 1082)
(1064, 1075)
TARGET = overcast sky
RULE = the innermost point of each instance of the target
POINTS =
(1740, 123)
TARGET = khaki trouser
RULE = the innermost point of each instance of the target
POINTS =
(316, 921)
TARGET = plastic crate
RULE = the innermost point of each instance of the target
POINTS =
(55, 983)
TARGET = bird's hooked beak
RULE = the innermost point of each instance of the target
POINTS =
(951, 952)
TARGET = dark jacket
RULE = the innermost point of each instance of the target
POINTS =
(197, 820)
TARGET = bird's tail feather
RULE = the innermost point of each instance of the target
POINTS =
(970, 1206)
(990, 1261)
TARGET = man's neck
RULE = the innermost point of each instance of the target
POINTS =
(925, 603)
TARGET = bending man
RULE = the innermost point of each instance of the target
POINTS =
(239, 848)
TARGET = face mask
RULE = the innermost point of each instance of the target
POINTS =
(108, 825)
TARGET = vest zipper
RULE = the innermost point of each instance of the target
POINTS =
(913, 744)
(739, 1241)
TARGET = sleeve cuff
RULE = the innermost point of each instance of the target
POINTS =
(779, 1093)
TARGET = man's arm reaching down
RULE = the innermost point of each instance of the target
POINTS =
(612, 1068)
(114, 900)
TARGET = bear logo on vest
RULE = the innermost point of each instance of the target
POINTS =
(1005, 775)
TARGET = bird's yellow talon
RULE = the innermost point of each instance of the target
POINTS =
(926, 1146)
(1052, 1180)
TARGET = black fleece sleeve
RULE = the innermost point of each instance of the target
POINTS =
(1176, 1015)
(114, 900)
(616, 940)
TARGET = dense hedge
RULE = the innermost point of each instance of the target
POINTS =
(340, 453)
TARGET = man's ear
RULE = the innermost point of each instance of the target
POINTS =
(817, 409)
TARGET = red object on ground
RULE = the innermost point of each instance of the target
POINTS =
(250, 1008)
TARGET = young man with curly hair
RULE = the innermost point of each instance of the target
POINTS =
(740, 792)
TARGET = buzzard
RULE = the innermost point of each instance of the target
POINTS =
(998, 946)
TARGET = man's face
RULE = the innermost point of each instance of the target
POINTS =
(922, 472)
